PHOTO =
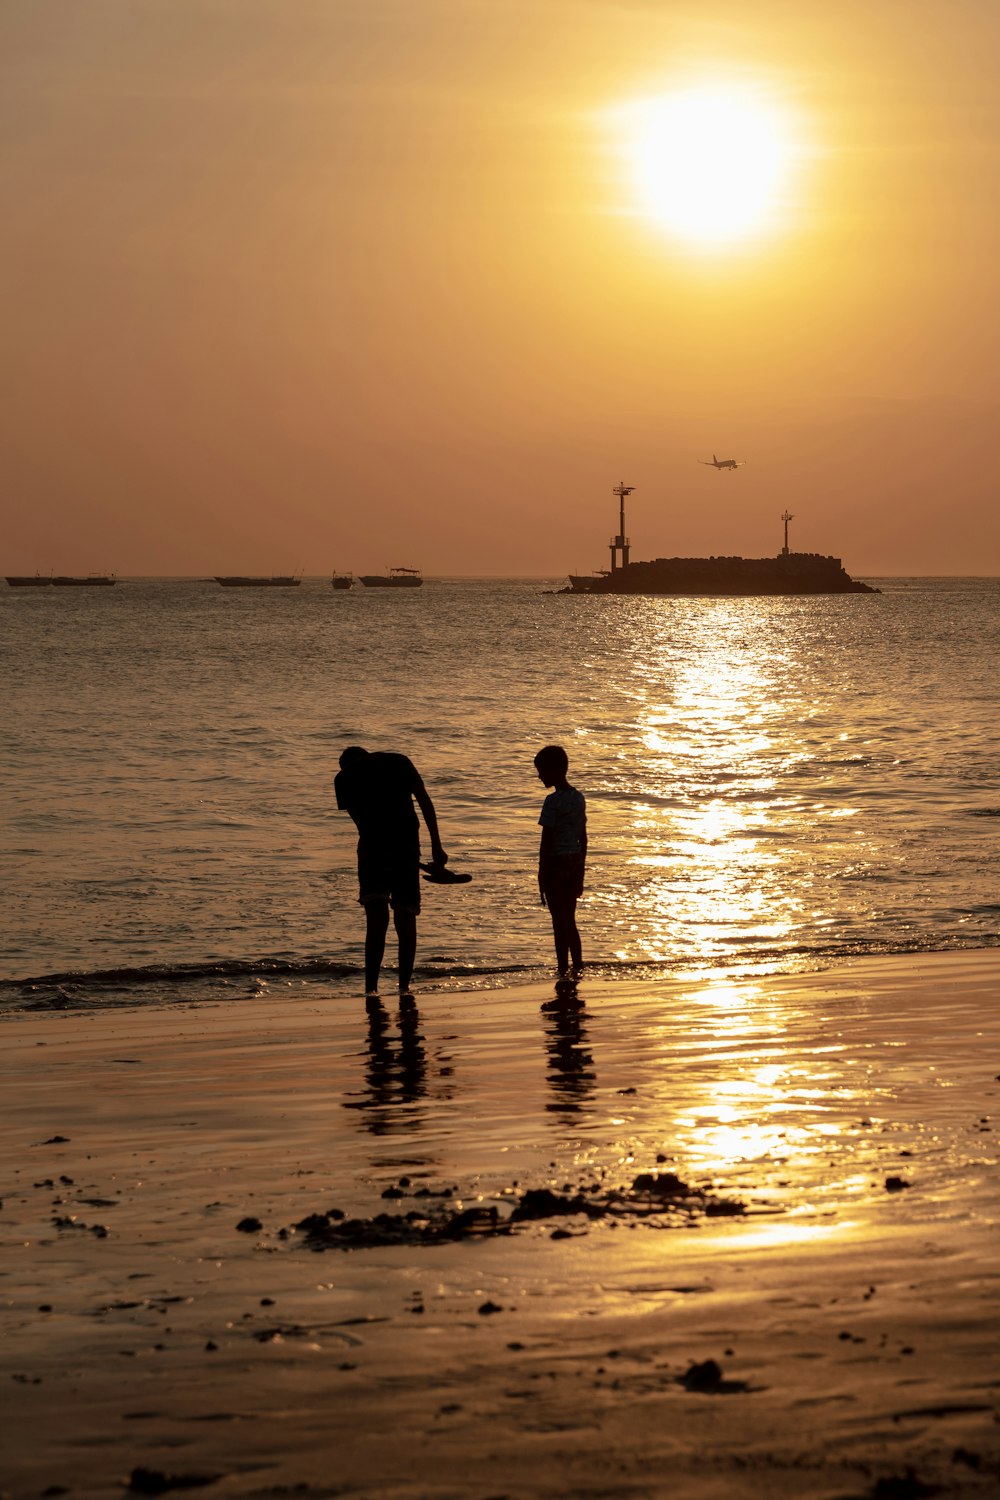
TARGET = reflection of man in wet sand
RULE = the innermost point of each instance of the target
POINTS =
(378, 789)
(395, 1078)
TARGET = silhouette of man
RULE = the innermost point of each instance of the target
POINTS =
(378, 790)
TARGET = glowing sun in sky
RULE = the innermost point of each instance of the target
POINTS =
(709, 164)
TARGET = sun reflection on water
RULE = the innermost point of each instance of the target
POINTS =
(723, 835)
(748, 1091)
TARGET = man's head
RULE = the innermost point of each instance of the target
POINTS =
(351, 756)
(551, 763)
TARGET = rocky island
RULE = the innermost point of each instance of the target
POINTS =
(787, 573)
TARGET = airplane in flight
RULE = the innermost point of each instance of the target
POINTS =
(722, 463)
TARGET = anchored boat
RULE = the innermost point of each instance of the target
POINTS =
(278, 581)
(394, 578)
(92, 581)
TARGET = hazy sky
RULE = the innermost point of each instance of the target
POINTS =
(352, 283)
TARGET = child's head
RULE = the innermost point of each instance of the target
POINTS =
(551, 763)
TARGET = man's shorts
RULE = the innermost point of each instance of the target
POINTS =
(391, 875)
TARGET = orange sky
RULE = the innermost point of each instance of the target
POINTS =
(316, 284)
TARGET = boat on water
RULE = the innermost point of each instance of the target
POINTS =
(393, 578)
(238, 581)
(92, 581)
(28, 581)
(750, 577)
(342, 580)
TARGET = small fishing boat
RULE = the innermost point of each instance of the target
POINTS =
(341, 580)
(393, 578)
(277, 581)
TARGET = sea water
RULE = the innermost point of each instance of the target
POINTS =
(772, 784)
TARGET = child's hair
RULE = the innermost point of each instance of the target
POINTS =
(552, 760)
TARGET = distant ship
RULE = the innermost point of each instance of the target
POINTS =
(277, 581)
(342, 580)
(28, 581)
(395, 578)
(92, 581)
(750, 577)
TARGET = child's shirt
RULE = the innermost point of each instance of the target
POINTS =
(565, 812)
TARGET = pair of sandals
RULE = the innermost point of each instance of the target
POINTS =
(441, 875)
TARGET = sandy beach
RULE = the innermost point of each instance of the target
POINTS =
(713, 1238)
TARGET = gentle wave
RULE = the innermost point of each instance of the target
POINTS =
(187, 973)
(131, 986)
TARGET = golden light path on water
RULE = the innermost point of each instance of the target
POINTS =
(763, 1105)
(723, 844)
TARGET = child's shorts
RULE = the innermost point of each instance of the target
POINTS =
(563, 877)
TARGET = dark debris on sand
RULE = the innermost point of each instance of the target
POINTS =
(654, 1197)
(144, 1481)
(905, 1486)
(707, 1378)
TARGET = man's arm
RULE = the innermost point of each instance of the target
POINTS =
(438, 855)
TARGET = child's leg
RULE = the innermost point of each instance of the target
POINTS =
(575, 946)
(561, 940)
(562, 908)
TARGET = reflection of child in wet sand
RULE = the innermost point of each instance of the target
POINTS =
(562, 854)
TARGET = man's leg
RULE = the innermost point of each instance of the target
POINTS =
(377, 915)
(406, 931)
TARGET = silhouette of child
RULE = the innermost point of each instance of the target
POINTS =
(562, 855)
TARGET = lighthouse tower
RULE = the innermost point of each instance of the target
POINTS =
(620, 543)
(786, 517)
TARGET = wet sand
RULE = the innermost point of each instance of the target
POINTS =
(752, 1248)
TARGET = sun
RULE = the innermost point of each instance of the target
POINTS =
(711, 165)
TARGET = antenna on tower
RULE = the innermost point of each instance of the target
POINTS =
(620, 543)
(786, 517)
